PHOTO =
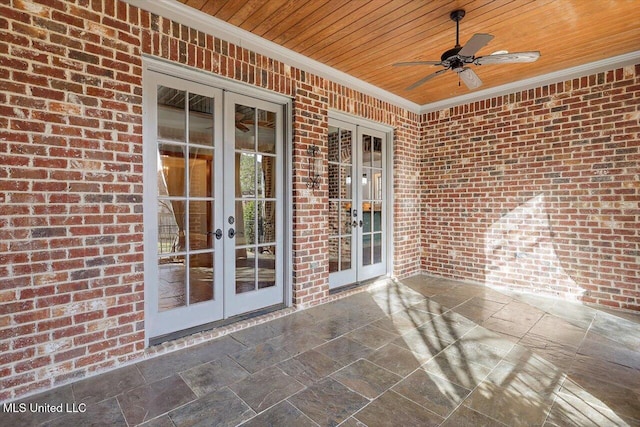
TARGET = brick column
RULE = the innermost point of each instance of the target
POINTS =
(310, 224)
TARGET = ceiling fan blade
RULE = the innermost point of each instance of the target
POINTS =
(507, 58)
(470, 78)
(477, 42)
(426, 79)
(402, 64)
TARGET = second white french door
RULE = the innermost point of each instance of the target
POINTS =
(357, 203)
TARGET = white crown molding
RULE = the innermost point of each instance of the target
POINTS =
(612, 63)
(196, 19)
(201, 21)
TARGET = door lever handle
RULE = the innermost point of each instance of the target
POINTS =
(231, 233)
(361, 223)
(218, 234)
(355, 223)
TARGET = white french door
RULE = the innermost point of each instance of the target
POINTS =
(253, 204)
(357, 203)
(213, 204)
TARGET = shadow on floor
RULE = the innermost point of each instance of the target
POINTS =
(424, 351)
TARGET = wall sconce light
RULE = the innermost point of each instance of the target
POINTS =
(314, 167)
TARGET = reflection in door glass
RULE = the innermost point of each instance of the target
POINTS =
(266, 132)
(200, 119)
(200, 172)
(266, 268)
(266, 225)
(171, 170)
(341, 206)
(245, 222)
(172, 282)
(255, 192)
(334, 181)
(201, 277)
(366, 249)
(200, 224)
(185, 198)
(245, 270)
(245, 175)
(377, 248)
(245, 119)
(171, 116)
(345, 253)
(334, 256)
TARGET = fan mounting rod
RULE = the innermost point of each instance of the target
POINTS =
(457, 15)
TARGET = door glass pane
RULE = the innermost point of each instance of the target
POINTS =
(200, 172)
(366, 217)
(266, 131)
(366, 184)
(334, 218)
(345, 182)
(377, 216)
(172, 283)
(200, 225)
(266, 222)
(334, 181)
(346, 153)
(245, 175)
(366, 150)
(245, 270)
(377, 248)
(334, 254)
(171, 170)
(168, 229)
(200, 277)
(245, 118)
(266, 268)
(366, 249)
(345, 253)
(334, 144)
(200, 119)
(266, 176)
(346, 219)
(171, 114)
(376, 185)
(245, 222)
(376, 153)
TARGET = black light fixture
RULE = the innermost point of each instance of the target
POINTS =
(314, 167)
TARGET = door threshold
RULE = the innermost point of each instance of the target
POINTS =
(213, 325)
(343, 288)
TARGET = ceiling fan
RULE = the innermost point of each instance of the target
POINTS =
(456, 59)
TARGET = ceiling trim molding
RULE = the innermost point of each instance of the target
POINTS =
(196, 19)
(201, 21)
(612, 63)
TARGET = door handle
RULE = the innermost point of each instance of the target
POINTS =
(361, 223)
(218, 234)
(231, 233)
(355, 223)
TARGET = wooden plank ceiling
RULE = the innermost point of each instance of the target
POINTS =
(364, 38)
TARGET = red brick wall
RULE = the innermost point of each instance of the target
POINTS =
(71, 280)
(539, 190)
(71, 230)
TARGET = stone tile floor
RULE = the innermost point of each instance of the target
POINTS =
(424, 351)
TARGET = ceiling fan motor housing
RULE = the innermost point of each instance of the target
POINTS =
(450, 53)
